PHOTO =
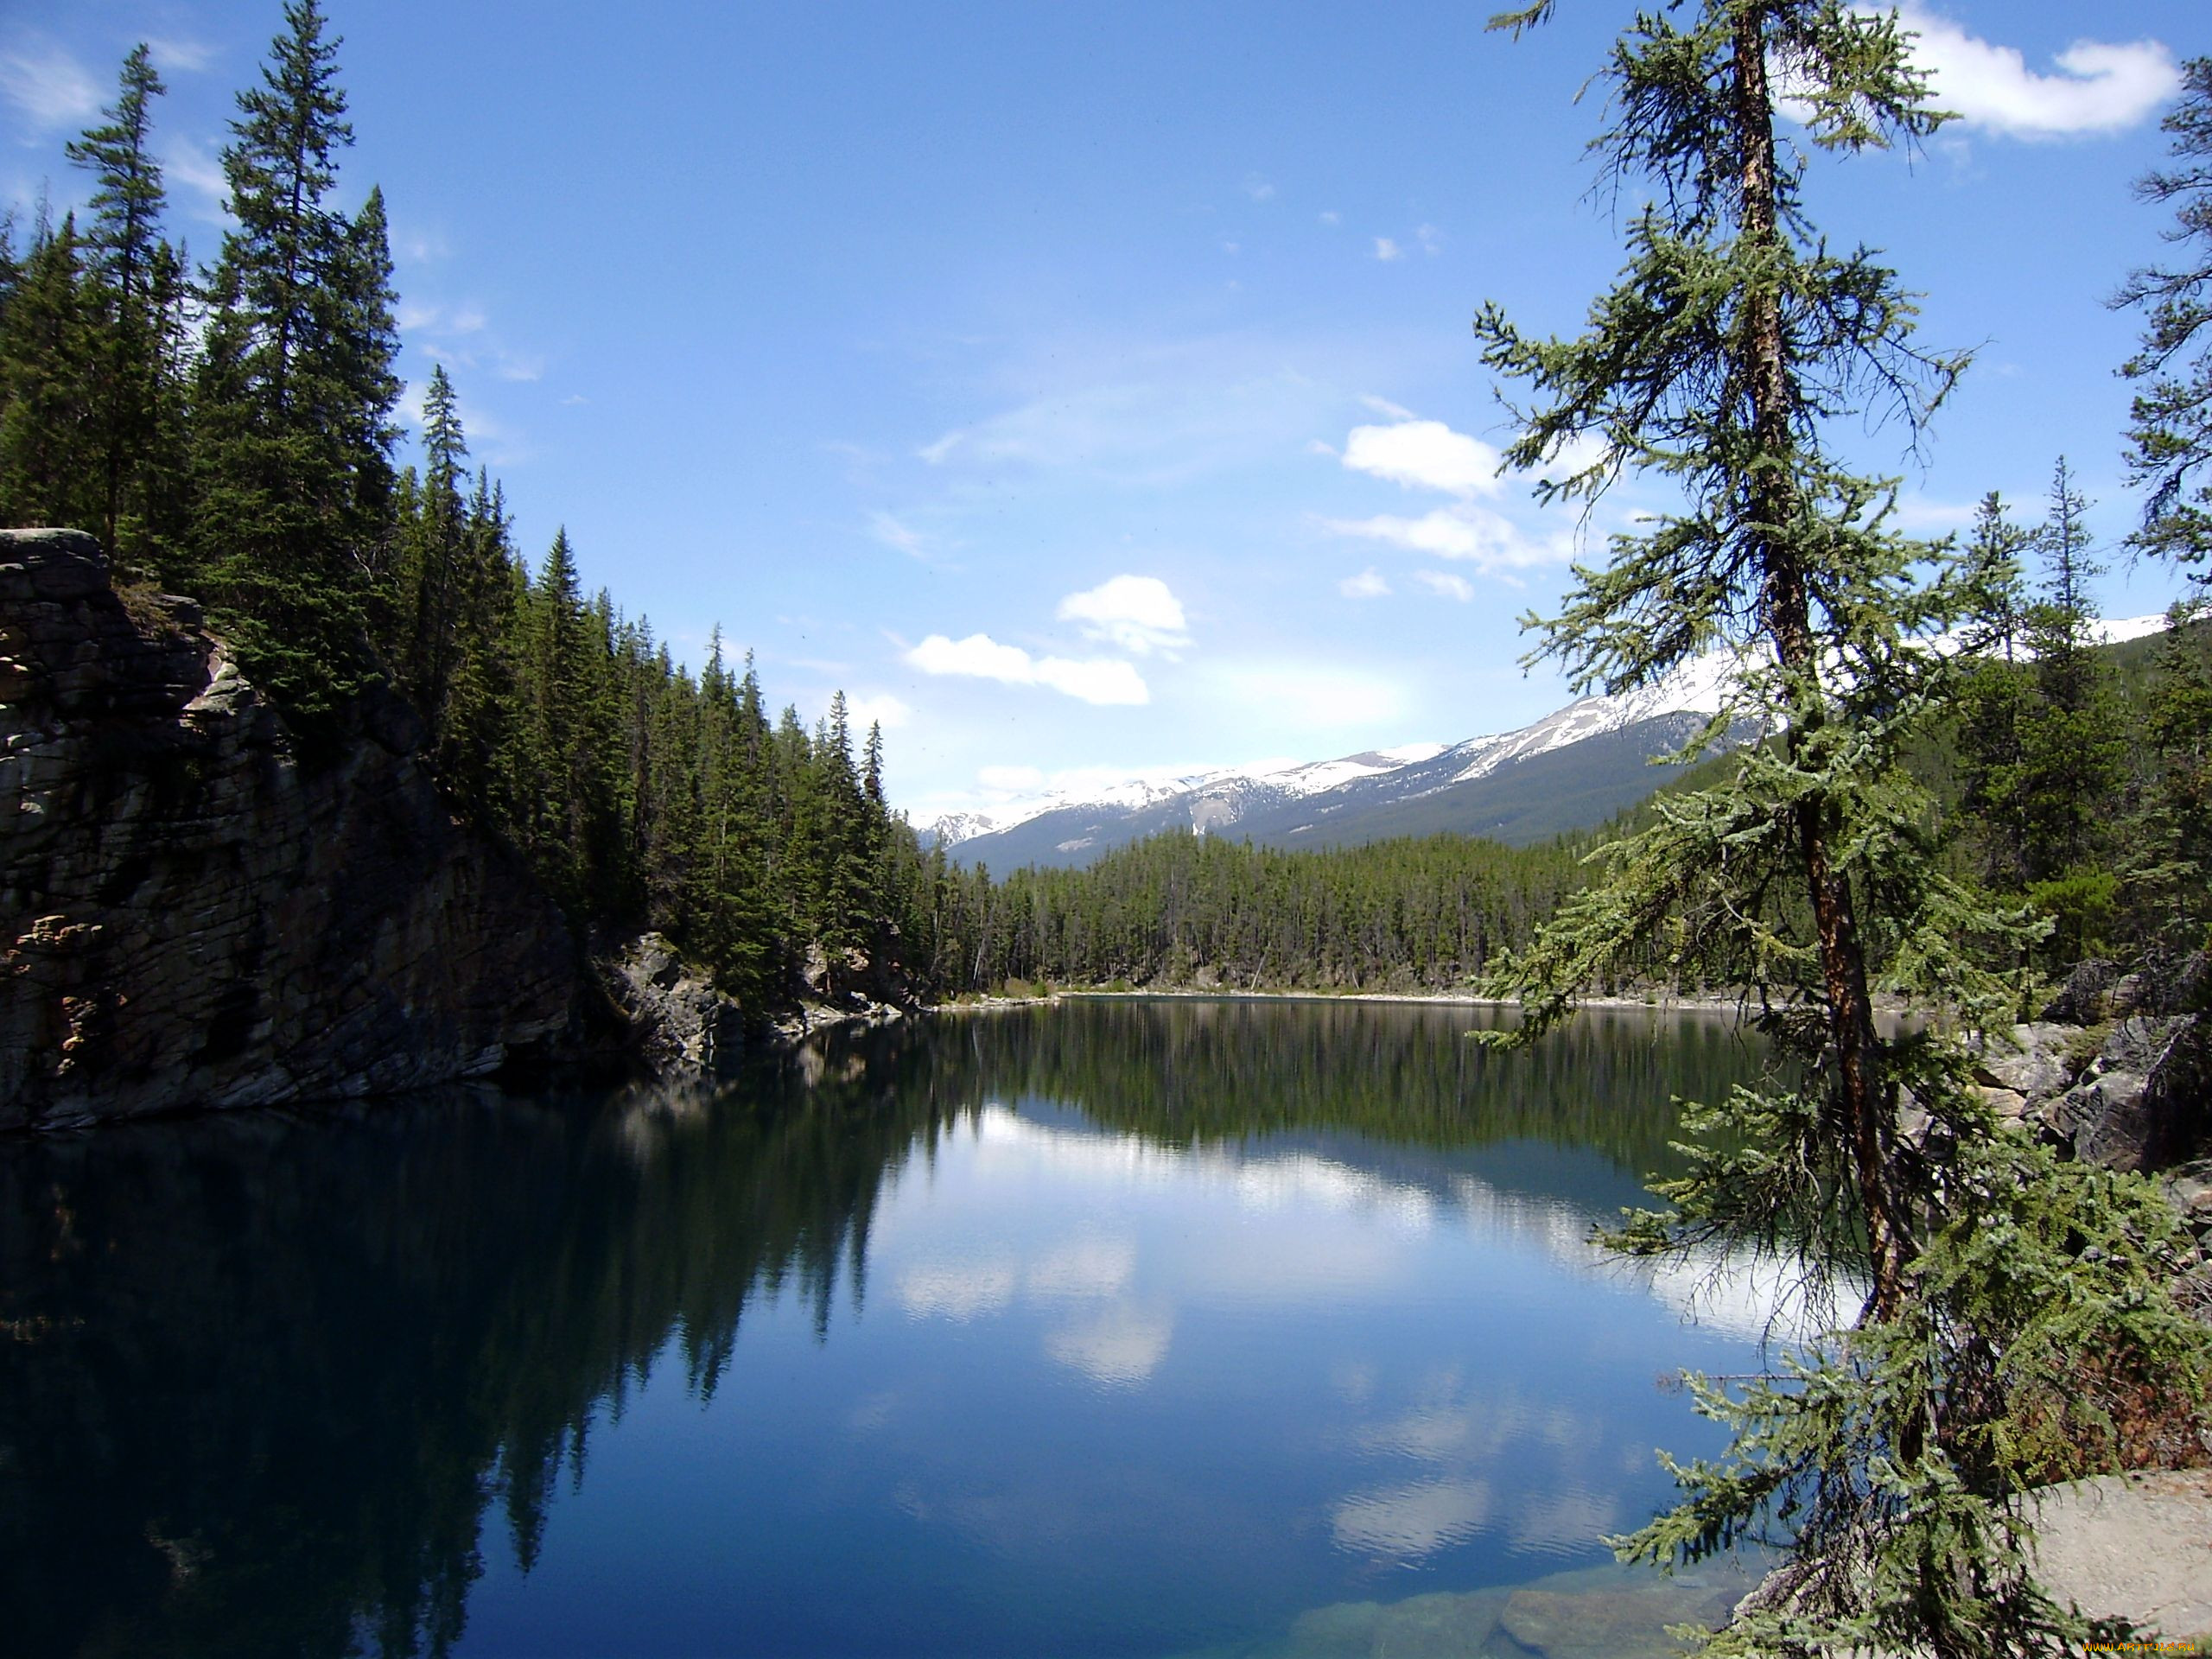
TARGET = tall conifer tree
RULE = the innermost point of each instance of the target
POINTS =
(1892, 1449)
(2170, 424)
(129, 265)
(296, 385)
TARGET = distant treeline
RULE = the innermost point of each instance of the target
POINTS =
(1181, 908)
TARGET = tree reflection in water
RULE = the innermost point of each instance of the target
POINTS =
(264, 1375)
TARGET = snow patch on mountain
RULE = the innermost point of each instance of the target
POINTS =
(1216, 798)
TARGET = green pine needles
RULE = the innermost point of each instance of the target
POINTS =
(2015, 1326)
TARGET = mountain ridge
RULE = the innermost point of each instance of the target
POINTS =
(1570, 770)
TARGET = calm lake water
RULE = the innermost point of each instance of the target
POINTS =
(1116, 1328)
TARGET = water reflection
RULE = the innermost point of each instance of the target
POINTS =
(268, 1376)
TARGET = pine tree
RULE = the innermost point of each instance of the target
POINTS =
(50, 357)
(296, 389)
(128, 265)
(2169, 424)
(1994, 688)
(2073, 743)
(2165, 866)
(432, 554)
(1891, 1450)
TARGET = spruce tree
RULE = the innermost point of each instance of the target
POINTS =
(2072, 741)
(1891, 1450)
(433, 555)
(2170, 424)
(1994, 686)
(296, 389)
(2166, 861)
(130, 265)
(50, 358)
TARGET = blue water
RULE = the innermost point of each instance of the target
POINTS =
(1108, 1329)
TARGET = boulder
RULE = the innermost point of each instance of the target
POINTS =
(2105, 1120)
(2033, 1064)
(191, 914)
(2141, 1104)
(2188, 1189)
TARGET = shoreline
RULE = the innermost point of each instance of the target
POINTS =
(1705, 1003)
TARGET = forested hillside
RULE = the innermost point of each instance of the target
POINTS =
(229, 432)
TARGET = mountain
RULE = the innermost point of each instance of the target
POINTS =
(1572, 770)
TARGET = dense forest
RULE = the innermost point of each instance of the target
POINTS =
(229, 432)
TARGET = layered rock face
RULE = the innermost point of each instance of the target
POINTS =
(191, 916)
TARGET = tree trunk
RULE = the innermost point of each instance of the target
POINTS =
(1863, 1099)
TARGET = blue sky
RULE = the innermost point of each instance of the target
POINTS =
(1091, 387)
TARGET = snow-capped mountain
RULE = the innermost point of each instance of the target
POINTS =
(1287, 778)
(1336, 800)
(1571, 770)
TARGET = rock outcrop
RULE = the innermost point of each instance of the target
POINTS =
(2135, 1094)
(679, 1021)
(190, 915)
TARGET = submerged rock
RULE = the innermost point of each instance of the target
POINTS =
(190, 915)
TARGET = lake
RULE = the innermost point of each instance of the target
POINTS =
(1122, 1327)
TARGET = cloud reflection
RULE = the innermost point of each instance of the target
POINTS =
(956, 1291)
(1119, 1347)
(1414, 1520)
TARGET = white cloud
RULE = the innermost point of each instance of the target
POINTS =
(886, 711)
(1098, 681)
(188, 163)
(1368, 584)
(1331, 218)
(1488, 540)
(1382, 406)
(1138, 614)
(48, 87)
(2101, 86)
(1204, 410)
(892, 533)
(1569, 455)
(175, 57)
(1386, 250)
(1426, 454)
(1257, 187)
(1431, 239)
(1921, 515)
(422, 247)
(1231, 247)
(1101, 681)
(1445, 585)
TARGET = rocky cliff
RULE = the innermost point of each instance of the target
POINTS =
(191, 915)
